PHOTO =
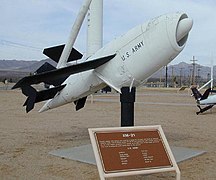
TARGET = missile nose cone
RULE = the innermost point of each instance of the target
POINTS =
(183, 28)
(44, 108)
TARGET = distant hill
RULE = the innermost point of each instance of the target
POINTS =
(14, 64)
(17, 69)
(23, 66)
(185, 70)
(33, 67)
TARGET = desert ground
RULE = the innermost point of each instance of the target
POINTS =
(27, 139)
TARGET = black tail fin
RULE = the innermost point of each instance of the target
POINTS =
(31, 93)
(45, 68)
(55, 53)
(203, 109)
(34, 97)
(80, 103)
(196, 93)
(206, 94)
(57, 76)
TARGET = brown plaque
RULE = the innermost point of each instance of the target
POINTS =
(132, 150)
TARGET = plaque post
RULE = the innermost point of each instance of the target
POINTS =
(127, 99)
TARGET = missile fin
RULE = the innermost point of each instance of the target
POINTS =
(206, 94)
(31, 93)
(35, 97)
(62, 73)
(196, 93)
(44, 68)
(204, 109)
(55, 53)
(48, 93)
(80, 103)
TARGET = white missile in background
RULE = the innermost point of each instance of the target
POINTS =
(207, 99)
(124, 62)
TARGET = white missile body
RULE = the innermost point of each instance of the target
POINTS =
(139, 53)
(211, 100)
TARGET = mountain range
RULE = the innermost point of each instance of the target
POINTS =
(184, 69)
(19, 68)
(23, 66)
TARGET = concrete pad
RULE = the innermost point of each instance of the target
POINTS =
(85, 153)
(82, 153)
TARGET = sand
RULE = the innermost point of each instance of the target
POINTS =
(26, 139)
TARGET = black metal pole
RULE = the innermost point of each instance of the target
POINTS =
(127, 99)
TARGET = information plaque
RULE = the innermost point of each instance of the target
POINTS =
(131, 150)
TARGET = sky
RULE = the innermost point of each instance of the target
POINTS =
(29, 26)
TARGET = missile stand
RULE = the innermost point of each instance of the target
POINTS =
(127, 99)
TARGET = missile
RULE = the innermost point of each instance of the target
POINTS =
(206, 99)
(138, 54)
(126, 61)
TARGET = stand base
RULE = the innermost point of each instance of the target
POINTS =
(85, 153)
